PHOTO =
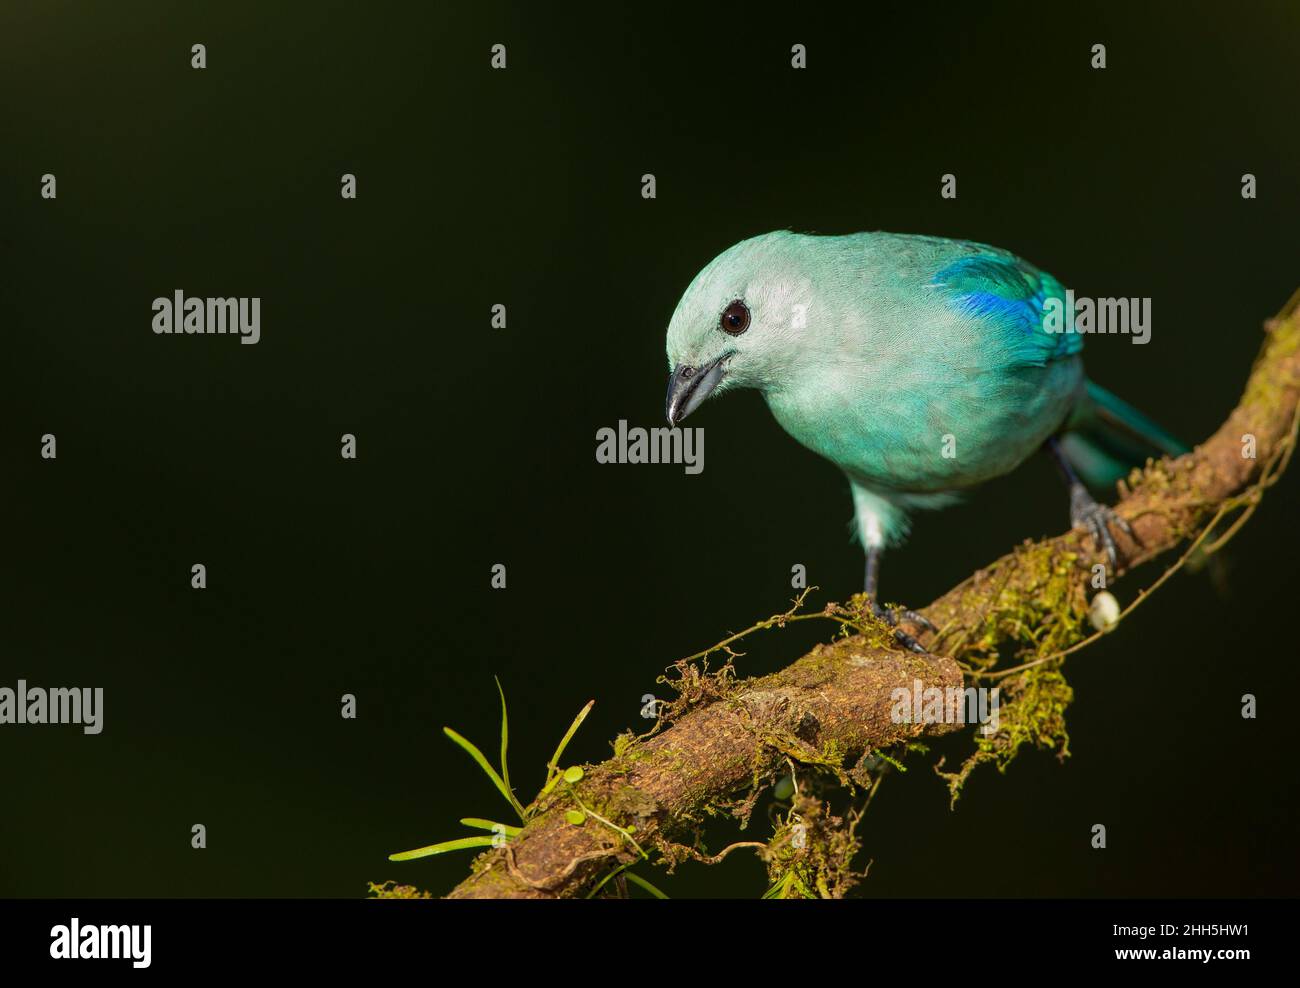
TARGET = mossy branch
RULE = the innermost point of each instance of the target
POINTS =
(1010, 624)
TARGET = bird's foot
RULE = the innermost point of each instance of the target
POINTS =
(891, 617)
(1091, 516)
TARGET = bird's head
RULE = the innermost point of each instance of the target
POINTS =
(733, 328)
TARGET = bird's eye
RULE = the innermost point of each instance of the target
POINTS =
(735, 318)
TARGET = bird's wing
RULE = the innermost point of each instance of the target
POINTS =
(1008, 297)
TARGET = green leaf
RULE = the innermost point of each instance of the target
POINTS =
(553, 766)
(480, 824)
(573, 774)
(462, 844)
(505, 743)
(784, 788)
(635, 880)
(638, 880)
(575, 817)
(477, 755)
(600, 884)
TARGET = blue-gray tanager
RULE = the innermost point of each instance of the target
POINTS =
(920, 366)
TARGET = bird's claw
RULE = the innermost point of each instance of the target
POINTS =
(1089, 515)
(891, 617)
(908, 642)
(920, 620)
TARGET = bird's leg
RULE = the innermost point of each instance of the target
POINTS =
(884, 613)
(1086, 513)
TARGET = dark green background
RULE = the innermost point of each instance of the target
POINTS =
(477, 446)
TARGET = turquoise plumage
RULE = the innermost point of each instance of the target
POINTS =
(920, 366)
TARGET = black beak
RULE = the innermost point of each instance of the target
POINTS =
(688, 387)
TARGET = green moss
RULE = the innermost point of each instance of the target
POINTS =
(391, 890)
(810, 856)
(1265, 391)
(1032, 712)
(1041, 612)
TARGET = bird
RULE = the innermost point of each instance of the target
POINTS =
(920, 366)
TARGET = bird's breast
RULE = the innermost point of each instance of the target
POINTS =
(927, 426)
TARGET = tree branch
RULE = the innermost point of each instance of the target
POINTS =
(1010, 623)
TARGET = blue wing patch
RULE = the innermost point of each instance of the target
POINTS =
(1010, 296)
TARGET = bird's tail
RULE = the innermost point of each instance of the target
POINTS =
(1107, 437)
